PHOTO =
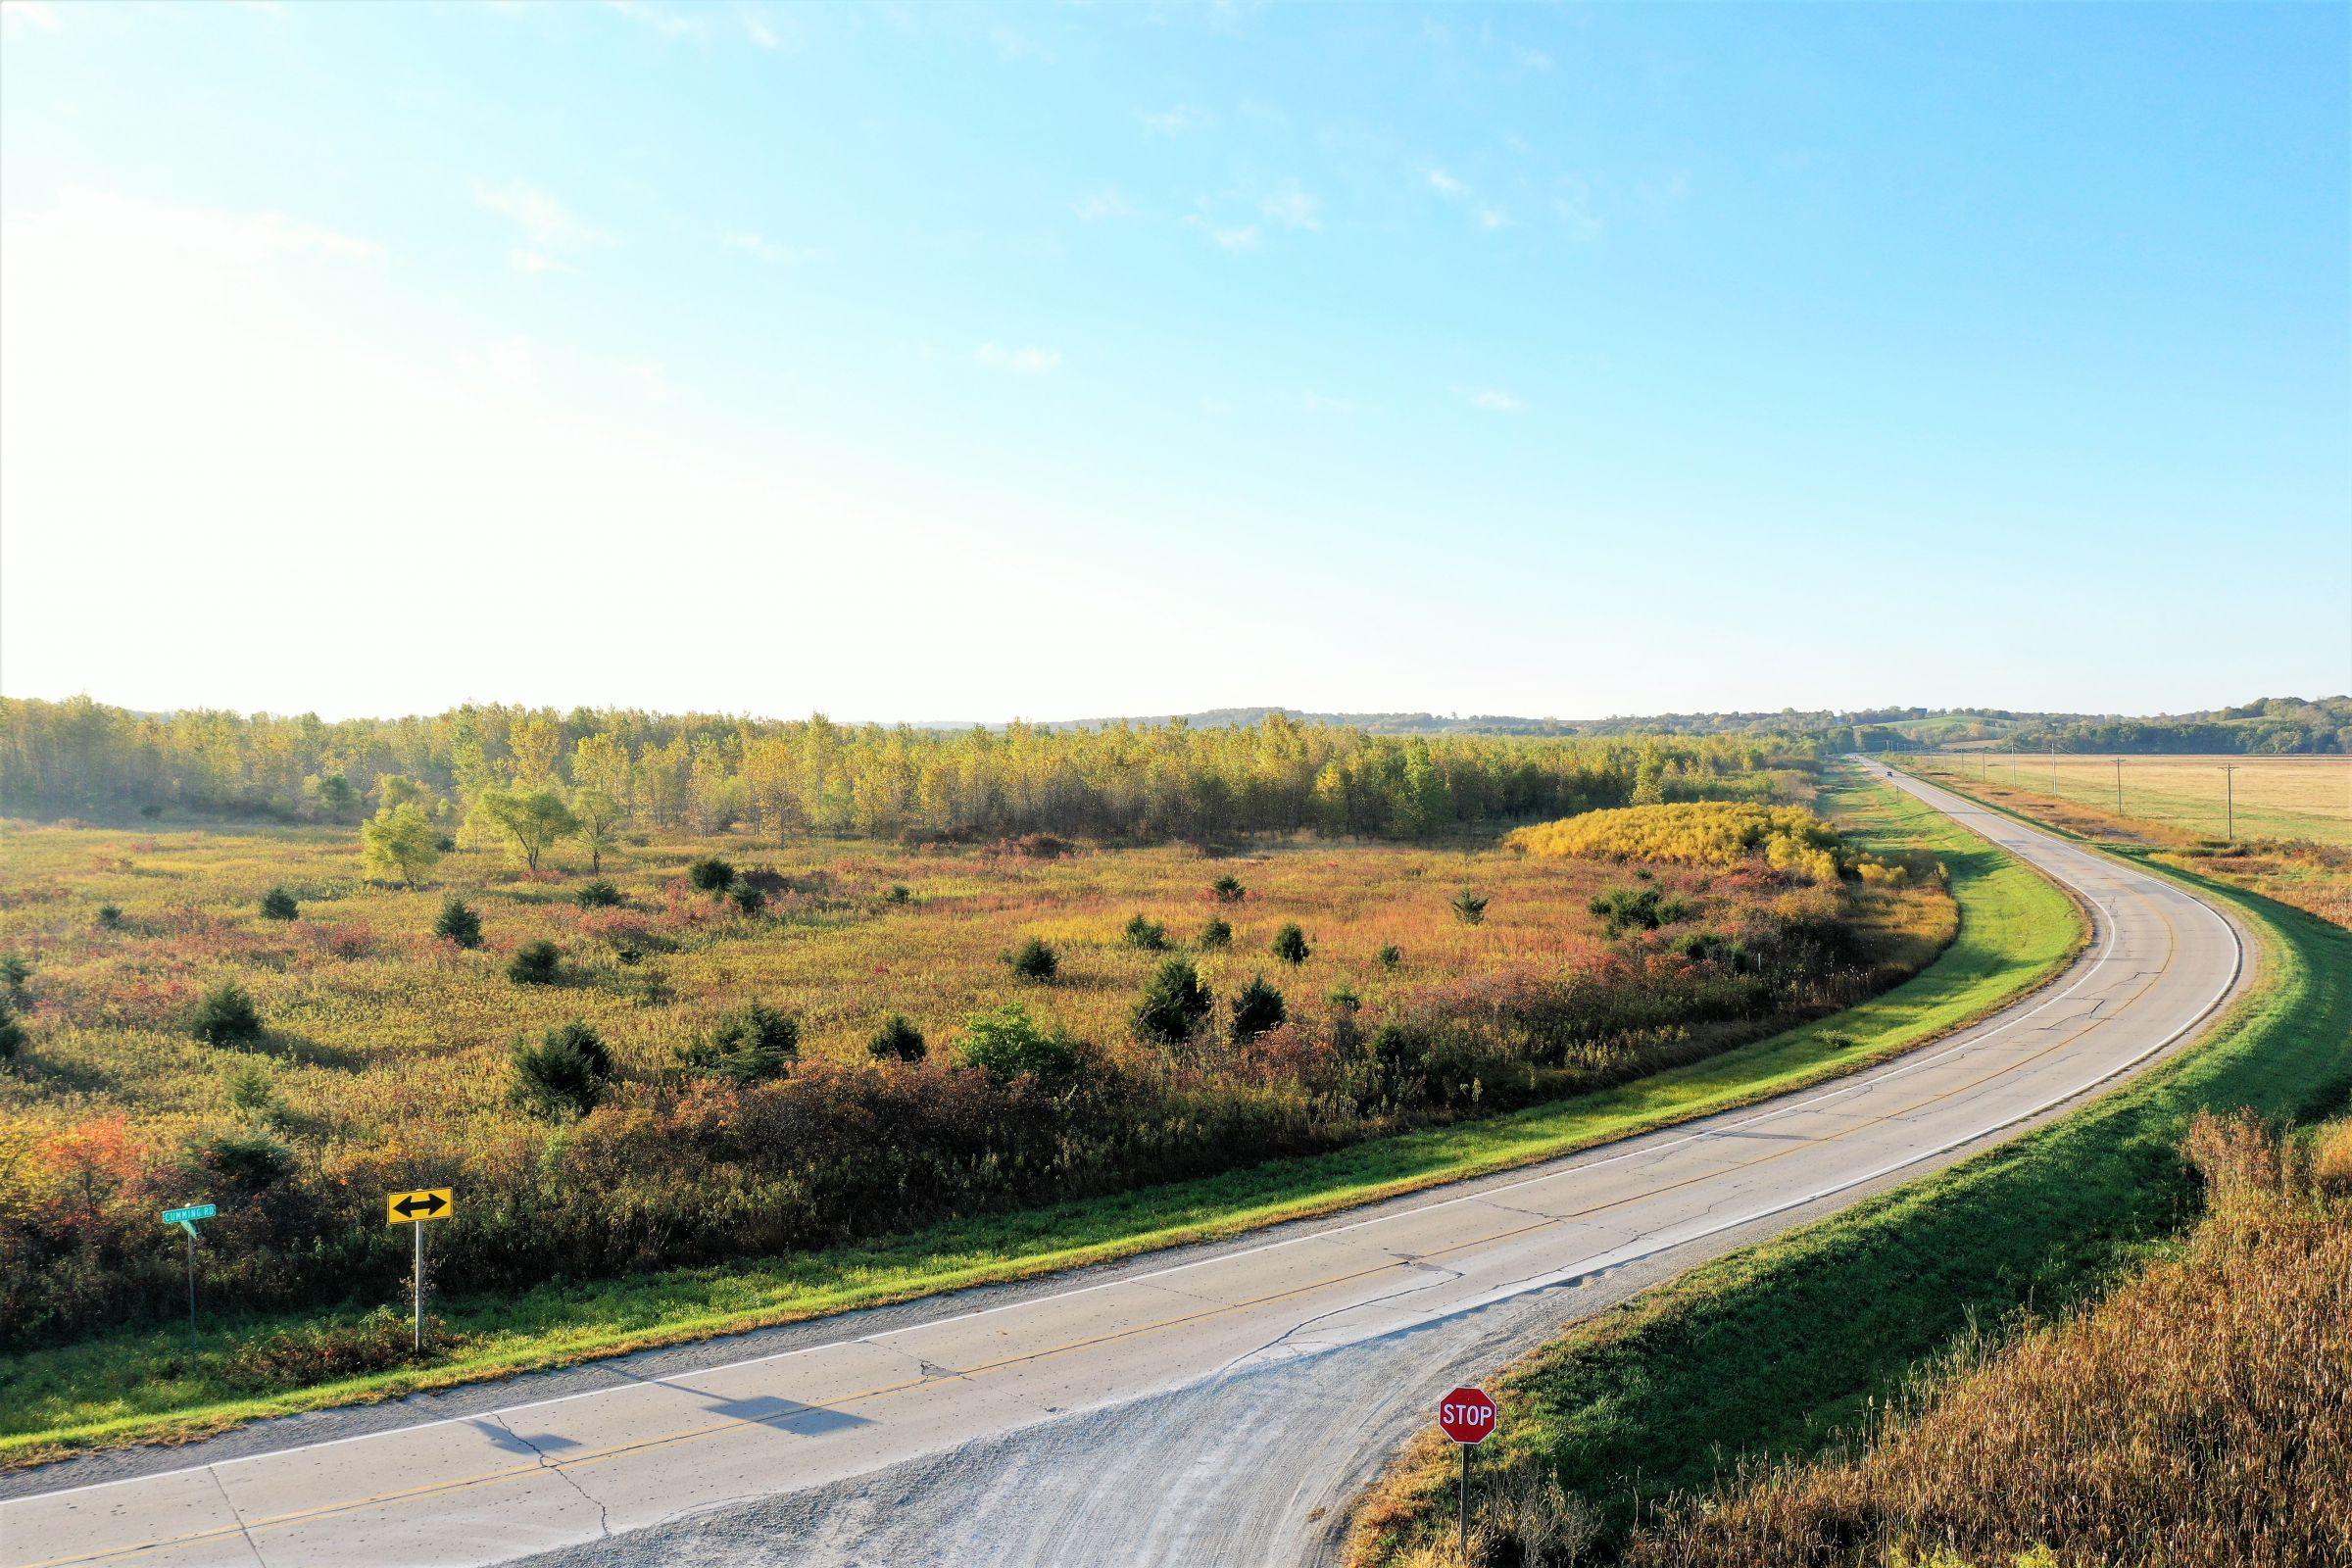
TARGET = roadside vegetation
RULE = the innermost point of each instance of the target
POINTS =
(667, 1102)
(1930, 1378)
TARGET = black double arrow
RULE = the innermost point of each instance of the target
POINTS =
(410, 1208)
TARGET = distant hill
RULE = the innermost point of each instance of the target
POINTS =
(2276, 725)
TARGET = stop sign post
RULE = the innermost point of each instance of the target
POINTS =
(1467, 1416)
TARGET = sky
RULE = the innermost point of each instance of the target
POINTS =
(928, 361)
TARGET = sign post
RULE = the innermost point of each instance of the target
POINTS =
(416, 1208)
(186, 1219)
(1467, 1416)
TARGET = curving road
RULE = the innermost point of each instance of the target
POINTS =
(1216, 1405)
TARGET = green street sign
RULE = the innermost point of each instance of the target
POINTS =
(180, 1216)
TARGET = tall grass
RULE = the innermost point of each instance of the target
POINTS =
(2199, 1417)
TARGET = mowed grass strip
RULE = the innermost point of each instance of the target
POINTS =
(1774, 1352)
(2016, 931)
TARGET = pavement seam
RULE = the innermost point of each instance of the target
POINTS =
(230, 1504)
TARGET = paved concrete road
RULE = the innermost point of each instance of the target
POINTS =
(1208, 1406)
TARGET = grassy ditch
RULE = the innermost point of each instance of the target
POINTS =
(1778, 1350)
(2016, 931)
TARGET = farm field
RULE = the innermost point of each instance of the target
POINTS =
(2276, 796)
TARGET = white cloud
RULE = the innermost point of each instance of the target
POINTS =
(528, 261)
(1572, 199)
(1242, 238)
(1107, 202)
(1020, 361)
(1493, 218)
(1215, 408)
(1178, 121)
(510, 360)
(756, 29)
(32, 14)
(1495, 401)
(543, 221)
(1293, 209)
(773, 253)
(1317, 403)
(1445, 184)
(193, 233)
(668, 24)
(1532, 59)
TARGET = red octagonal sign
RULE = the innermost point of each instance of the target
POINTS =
(1467, 1415)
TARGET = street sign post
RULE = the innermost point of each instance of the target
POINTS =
(1467, 1416)
(186, 1219)
(416, 1208)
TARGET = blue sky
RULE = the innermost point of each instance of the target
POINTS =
(930, 361)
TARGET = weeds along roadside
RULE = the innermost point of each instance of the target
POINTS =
(126, 1389)
(1783, 1351)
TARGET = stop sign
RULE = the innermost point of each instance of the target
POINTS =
(1467, 1415)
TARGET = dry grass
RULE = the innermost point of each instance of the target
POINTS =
(2278, 797)
(2200, 1417)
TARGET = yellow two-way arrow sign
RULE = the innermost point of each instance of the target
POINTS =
(427, 1203)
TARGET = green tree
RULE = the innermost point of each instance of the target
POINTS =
(1149, 935)
(1469, 908)
(398, 789)
(535, 964)
(1215, 933)
(331, 794)
(597, 821)
(226, 1016)
(526, 822)
(1172, 1005)
(753, 1043)
(566, 1074)
(597, 895)
(1227, 889)
(712, 874)
(1392, 956)
(1290, 944)
(12, 1037)
(456, 922)
(1257, 1007)
(249, 1161)
(399, 842)
(1007, 1043)
(897, 1039)
(278, 905)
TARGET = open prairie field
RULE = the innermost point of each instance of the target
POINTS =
(2276, 796)
(1402, 985)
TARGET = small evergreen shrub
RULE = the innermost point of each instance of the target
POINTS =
(712, 874)
(226, 1016)
(1172, 1005)
(566, 1074)
(1469, 908)
(1033, 960)
(1007, 1043)
(1227, 889)
(458, 923)
(897, 1039)
(1215, 934)
(1289, 946)
(1149, 935)
(278, 905)
(1256, 1008)
(747, 1046)
(535, 964)
(597, 895)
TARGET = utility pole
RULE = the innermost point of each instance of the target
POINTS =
(2118, 786)
(2229, 800)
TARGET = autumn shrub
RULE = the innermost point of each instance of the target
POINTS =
(1788, 838)
(458, 923)
(535, 964)
(1173, 1004)
(566, 1074)
(226, 1016)
(278, 905)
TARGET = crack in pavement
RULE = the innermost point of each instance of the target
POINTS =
(230, 1503)
(548, 1462)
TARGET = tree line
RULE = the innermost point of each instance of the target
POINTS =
(625, 769)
